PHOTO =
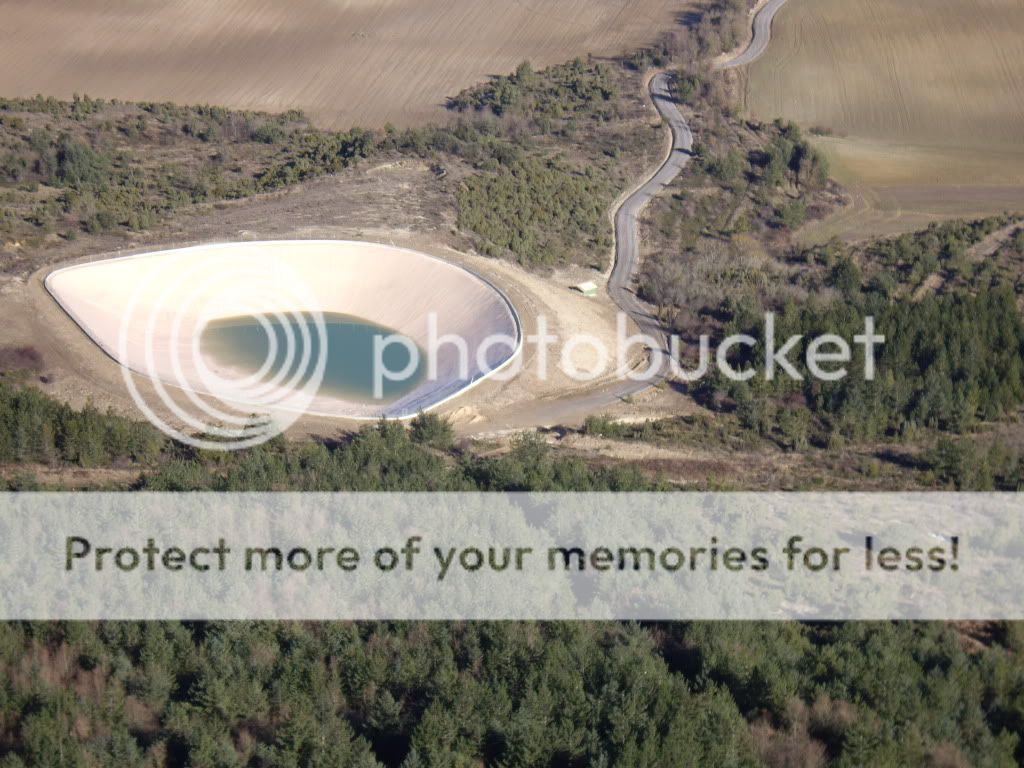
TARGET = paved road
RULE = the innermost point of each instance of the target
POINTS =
(620, 283)
(627, 251)
(627, 224)
(627, 227)
(762, 36)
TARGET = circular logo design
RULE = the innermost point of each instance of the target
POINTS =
(161, 330)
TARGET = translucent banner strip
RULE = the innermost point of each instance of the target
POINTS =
(511, 556)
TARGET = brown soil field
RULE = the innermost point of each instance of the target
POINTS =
(924, 98)
(345, 62)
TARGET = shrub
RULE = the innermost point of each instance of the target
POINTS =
(432, 430)
(791, 215)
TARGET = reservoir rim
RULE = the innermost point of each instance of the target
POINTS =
(400, 416)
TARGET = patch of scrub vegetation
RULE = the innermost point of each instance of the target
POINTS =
(93, 166)
(530, 200)
(725, 228)
(544, 198)
(942, 256)
(560, 92)
(530, 179)
(699, 431)
(541, 210)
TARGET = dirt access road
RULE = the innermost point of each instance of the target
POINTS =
(627, 250)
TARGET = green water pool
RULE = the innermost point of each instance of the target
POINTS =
(244, 343)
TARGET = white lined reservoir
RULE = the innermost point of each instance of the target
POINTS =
(191, 318)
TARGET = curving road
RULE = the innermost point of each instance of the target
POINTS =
(627, 219)
(627, 245)
(627, 225)
(620, 283)
(762, 36)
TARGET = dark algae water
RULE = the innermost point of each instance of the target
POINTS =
(244, 343)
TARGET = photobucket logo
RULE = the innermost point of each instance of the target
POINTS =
(826, 357)
(203, 401)
(161, 331)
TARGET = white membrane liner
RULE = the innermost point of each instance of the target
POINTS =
(497, 556)
(130, 306)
